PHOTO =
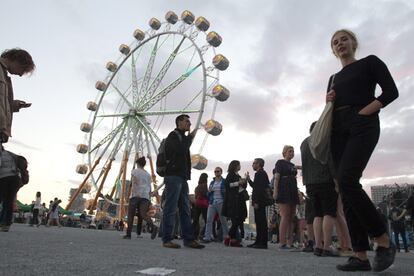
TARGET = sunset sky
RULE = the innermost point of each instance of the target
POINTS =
(280, 62)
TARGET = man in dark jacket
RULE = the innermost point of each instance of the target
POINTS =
(178, 171)
(259, 185)
(320, 188)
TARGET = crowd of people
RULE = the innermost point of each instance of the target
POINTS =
(335, 198)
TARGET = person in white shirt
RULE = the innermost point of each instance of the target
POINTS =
(140, 197)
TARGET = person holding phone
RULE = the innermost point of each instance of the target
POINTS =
(15, 62)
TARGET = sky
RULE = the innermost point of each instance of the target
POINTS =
(280, 62)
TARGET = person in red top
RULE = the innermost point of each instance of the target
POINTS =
(201, 204)
(355, 133)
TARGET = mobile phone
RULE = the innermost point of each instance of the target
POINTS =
(25, 104)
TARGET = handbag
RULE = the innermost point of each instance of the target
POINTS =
(201, 202)
(320, 138)
(244, 195)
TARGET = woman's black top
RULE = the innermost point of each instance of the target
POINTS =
(355, 84)
(287, 190)
(234, 206)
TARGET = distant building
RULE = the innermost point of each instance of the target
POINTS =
(381, 192)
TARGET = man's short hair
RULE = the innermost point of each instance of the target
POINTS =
(260, 161)
(141, 161)
(180, 118)
(22, 57)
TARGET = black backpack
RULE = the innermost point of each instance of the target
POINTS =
(162, 162)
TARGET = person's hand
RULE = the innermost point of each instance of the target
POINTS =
(247, 176)
(330, 97)
(4, 137)
(21, 104)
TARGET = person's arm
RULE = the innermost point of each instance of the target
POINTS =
(402, 214)
(275, 188)
(383, 77)
(4, 135)
(172, 145)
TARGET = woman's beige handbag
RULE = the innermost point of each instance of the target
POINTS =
(320, 138)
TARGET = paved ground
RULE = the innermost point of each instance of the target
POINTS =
(69, 251)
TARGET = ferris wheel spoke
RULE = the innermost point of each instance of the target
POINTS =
(148, 71)
(113, 115)
(160, 95)
(138, 142)
(153, 144)
(154, 85)
(146, 128)
(134, 82)
(167, 112)
(110, 137)
(122, 96)
(194, 98)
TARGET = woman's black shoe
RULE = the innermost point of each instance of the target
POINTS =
(259, 246)
(384, 257)
(317, 251)
(355, 264)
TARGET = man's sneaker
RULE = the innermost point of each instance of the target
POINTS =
(384, 257)
(317, 251)
(329, 253)
(355, 264)
(170, 244)
(154, 232)
(194, 244)
(205, 241)
(126, 237)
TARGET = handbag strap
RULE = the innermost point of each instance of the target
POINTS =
(331, 84)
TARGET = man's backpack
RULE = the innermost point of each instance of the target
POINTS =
(162, 162)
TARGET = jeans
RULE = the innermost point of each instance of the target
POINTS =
(400, 231)
(353, 140)
(212, 210)
(176, 194)
(8, 190)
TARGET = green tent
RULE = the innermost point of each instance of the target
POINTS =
(65, 212)
(23, 207)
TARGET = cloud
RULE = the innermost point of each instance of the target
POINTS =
(23, 145)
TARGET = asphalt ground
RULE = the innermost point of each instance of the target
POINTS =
(72, 251)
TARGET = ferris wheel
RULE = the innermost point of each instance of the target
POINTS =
(170, 69)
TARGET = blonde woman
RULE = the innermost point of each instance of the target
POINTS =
(286, 195)
(355, 133)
